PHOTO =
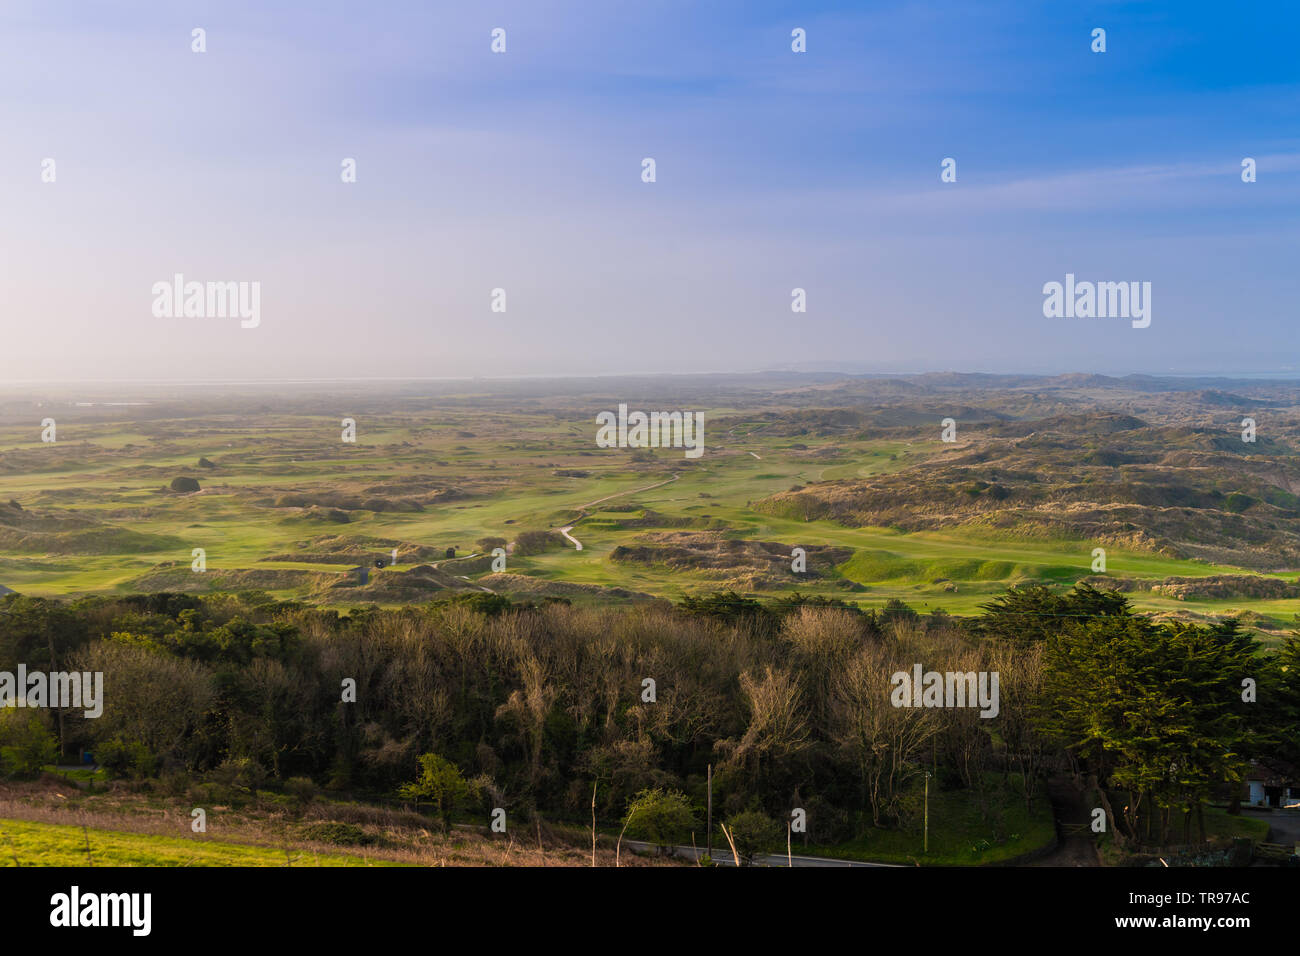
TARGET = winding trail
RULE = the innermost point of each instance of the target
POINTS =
(582, 509)
(630, 491)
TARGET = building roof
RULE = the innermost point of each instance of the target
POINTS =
(1267, 769)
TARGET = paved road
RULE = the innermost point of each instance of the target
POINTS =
(1073, 817)
(722, 856)
(1283, 825)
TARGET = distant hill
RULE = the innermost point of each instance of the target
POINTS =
(1113, 479)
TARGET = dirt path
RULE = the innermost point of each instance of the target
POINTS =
(619, 494)
(582, 509)
(1073, 818)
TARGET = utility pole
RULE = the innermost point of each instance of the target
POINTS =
(58, 713)
(927, 812)
(709, 851)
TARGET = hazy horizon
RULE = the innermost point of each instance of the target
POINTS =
(1193, 380)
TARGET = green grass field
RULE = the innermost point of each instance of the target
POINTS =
(23, 843)
(959, 834)
(1221, 825)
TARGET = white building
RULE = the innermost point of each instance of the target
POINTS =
(1270, 786)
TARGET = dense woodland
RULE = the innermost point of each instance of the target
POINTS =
(790, 701)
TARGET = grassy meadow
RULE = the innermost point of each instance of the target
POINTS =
(51, 844)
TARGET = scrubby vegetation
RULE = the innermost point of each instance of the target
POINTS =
(1182, 492)
(476, 703)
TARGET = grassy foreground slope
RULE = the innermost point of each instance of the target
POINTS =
(52, 844)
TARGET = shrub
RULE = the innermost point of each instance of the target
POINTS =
(122, 757)
(753, 833)
(440, 782)
(213, 794)
(535, 542)
(337, 834)
(174, 783)
(184, 484)
(240, 772)
(477, 601)
(304, 788)
(1236, 502)
(663, 817)
(26, 745)
(278, 801)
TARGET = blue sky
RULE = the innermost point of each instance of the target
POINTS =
(522, 171)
